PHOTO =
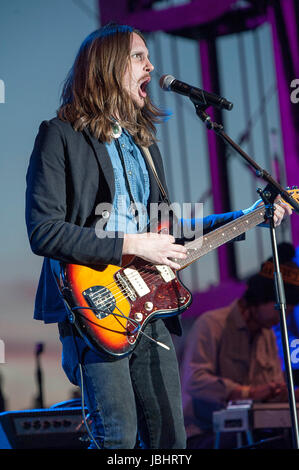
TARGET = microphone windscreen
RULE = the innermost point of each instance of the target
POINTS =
(166, 81)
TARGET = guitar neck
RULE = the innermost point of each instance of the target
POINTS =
(206, 243)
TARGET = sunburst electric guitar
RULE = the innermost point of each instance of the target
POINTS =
(111, 305)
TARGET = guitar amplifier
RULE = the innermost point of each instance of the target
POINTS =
(51, 428)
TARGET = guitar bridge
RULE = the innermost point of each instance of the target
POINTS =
(100, 300)
(126, 286)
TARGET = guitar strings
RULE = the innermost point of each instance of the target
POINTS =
(119, 294)
(191, 246)
(147, 270)
(148, 276)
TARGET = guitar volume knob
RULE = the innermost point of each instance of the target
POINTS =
(138, 316)
(148, 306)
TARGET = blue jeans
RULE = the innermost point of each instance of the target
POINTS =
(135, 395)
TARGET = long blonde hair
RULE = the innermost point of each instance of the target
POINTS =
(93, 93)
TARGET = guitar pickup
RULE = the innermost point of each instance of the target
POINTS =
(166, 272)
(137, 282)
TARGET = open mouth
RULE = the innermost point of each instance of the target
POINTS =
(142, 87)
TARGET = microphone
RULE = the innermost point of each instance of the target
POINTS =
(197, 96)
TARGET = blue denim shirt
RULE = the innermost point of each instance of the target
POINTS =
(122, 218)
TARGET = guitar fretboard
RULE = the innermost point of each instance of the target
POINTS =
(206, 243)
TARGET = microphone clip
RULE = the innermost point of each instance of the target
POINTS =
(205, 118)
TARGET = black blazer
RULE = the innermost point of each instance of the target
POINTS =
(69, 175)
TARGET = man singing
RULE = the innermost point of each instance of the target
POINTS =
(93, 153)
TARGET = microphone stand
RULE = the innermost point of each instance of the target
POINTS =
(275, 188)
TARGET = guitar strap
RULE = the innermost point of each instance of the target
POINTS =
(173, 223)
(153, 168)
(117, 144)
(151, 164)
(150, 161)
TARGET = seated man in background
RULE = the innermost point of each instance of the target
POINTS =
(231, 352)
